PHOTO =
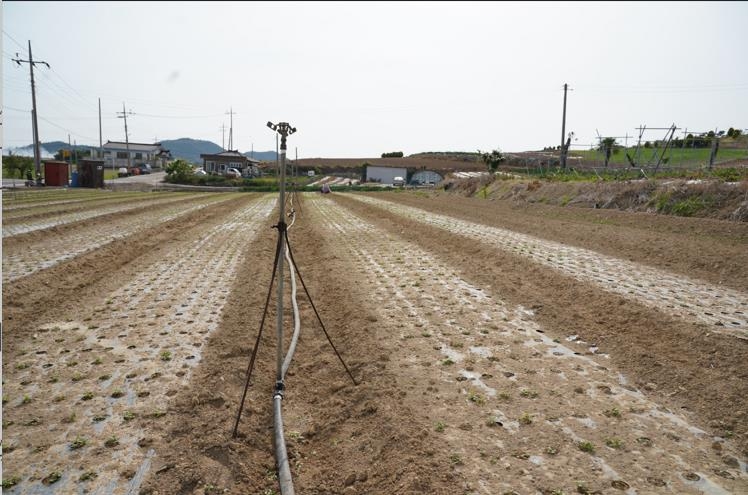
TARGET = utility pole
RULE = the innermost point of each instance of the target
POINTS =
(231, 128)
(223, 136)
(563, 132)
(101, 147)
(127, 139)
(35, 126)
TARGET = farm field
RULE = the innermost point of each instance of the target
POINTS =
(498, 348)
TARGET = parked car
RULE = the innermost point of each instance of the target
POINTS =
(200, 171)
(122, 172)
(398, 181)
(144, 168)
(233, 173)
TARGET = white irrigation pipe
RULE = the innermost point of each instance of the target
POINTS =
(296, 318)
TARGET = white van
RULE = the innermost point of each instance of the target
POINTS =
(310, 173)
(398, 181)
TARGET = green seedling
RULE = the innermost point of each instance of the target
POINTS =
(448, 362)
(117, 394)
(612, 413)
(104, 378)
(439, 426)
(165, 355)
(78, 443)
(112, 441)
(128, 415)
(26, 399)
(614, 443)
(525, 419)
(530, 394)
(11, 482)
(87, 396)
(52, 477)
(456, 459)
(88, 476)
(586, 447)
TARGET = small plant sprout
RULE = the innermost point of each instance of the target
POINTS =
(128, 415)
(87, 396)
(525, 419)
(112, 441)
(448, 362)
(88, 476)
(504, 396)
(77, 377)
(614, 443)
(78, 443)
(612, 413)
(26, 399)
(104, 378)
(97, 361)
(456, 459)
(165, 355)
(476, 398)
(552, 450)
(530, 394)
(11, 482)
(586, 447)
(117, 394)
(52, 477)
(439, 426)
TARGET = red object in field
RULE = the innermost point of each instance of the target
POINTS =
(55, 173)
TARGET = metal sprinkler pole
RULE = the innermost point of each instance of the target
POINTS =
(281, 456)
(281, 221)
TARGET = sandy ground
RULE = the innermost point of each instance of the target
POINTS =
(498, 349)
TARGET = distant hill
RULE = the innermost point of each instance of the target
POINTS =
(190, 149)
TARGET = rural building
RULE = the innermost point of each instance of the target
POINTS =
(115, 154)
(383, 174)
(220, 162)
(425, 177)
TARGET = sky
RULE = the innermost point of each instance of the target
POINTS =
(358, 79)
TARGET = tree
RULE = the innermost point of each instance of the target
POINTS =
(608, 146)
(394, 154)
(179, 170)
(492, 159)
(18, 166)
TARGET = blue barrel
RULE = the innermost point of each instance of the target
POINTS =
(74, 179)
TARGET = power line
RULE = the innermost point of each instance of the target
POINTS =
(13, 39)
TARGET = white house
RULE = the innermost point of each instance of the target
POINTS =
(219, 163)
(115, 154)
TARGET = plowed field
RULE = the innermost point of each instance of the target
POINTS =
(498, 349)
